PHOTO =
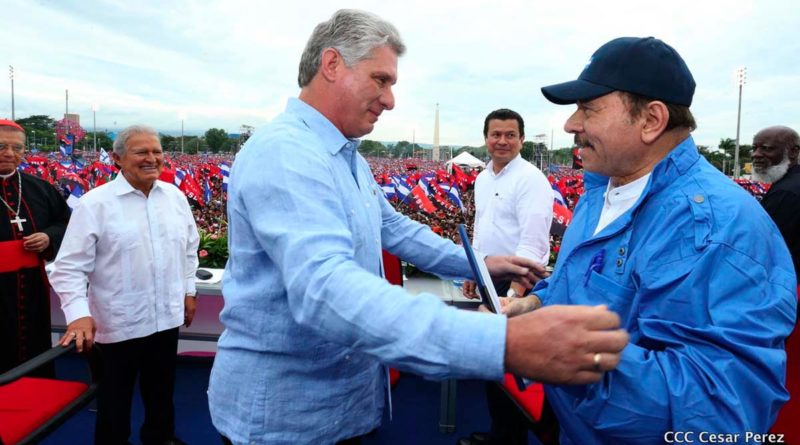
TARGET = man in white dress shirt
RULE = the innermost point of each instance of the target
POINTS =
(126, 278)
(513, 199)
(514, 210)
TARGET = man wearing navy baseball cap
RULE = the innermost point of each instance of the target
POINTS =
(665, 240)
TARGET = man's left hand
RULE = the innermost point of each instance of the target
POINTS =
(189, 307)
(36, 242)
(522, 270)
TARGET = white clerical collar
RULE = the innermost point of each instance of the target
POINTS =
(2, 176)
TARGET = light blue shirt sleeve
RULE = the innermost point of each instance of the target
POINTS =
(297, 213)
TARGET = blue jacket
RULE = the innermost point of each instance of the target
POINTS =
(703, 283)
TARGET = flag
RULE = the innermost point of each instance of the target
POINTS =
(167, 175)
(225, 169)
(74, 196)
(421, 200)
(179, 174)
(454, 195)
(389, 191)
(189, 186)
(557, 196)
(206, 191)
(577, 161)
(562, 216)
(401, 188)
(68, 141)
(104, 157)
(425, 183)
(462, 179)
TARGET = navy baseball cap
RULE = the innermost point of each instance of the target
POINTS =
(644, 66)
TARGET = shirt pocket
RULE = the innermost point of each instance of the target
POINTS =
(603, 290)
(125, 236)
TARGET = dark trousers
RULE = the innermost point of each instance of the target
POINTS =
(153, 360)
(509, 425)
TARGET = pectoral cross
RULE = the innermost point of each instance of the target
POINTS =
(18, 221)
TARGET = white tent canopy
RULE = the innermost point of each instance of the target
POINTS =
(466, 159)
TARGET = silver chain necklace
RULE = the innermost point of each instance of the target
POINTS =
(17, 220)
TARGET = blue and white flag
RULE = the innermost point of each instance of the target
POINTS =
(63, 150)
(401, 187)
(454, 195)
(226, 172)
(557, 196)
(179, 174)
(206, 191)
(74, 196)
(389, 191)
(104, 157)
(424, 183)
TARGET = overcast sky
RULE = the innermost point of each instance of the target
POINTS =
(228, 63)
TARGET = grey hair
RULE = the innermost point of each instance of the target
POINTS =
(133, 130)
(354, 34)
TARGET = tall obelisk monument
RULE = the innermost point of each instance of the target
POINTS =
(435, 153)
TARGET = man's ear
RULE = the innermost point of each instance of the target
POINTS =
(330, 64)
(656, 116)
(793, 154)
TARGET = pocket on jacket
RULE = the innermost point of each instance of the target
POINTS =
(611, 293)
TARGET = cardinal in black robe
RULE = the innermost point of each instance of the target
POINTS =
(31, 230)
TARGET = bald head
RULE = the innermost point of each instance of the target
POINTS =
(775, 150)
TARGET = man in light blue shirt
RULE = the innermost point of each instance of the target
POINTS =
(309, 322)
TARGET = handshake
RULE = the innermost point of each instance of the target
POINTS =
(554, 344)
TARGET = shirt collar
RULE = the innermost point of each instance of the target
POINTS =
(122, 186)
(630, 190)
(333, 139)
(508, 167)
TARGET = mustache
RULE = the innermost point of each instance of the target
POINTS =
(580, 142)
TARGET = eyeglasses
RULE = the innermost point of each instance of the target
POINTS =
(19, 148)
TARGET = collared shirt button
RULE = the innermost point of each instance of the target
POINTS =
(619, 262)
(699, 199)
(622, 251)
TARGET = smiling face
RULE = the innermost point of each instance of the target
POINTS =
(364, 91)
(609, 138)
(503, 141)
(12, 147)
(142, 161)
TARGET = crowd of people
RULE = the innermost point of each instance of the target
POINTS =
(200, 177)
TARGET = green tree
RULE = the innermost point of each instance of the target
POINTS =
(39, 130)
(217, 139)
(371, 148)
(479, 152)
(103, 141)
(562, 156)
(170, 143)
(745, 154)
